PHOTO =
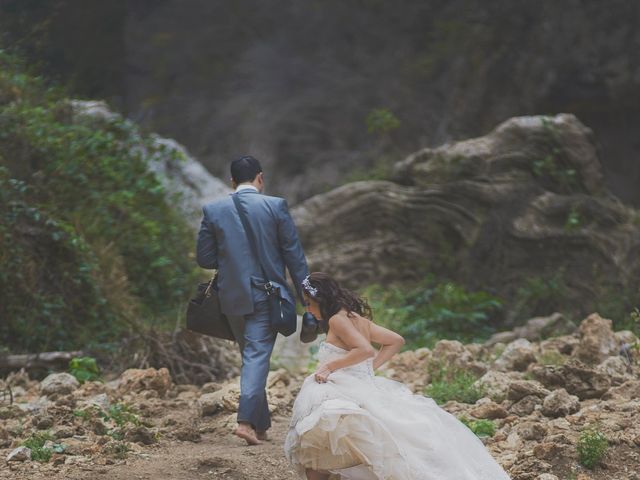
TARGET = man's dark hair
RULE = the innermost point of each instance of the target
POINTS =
(245, 169)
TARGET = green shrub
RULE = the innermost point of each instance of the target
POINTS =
(89, 239)
(84, 369)
(36, 444)
(482, 428)
(453, 384)
(432, 311)
(592, 445)
(381, 121)
(121, 414)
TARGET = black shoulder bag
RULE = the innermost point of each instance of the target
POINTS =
(204, 314)
(282, 313)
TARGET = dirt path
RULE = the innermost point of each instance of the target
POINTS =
(218, 455)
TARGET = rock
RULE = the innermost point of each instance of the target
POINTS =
(535, 329)
(19, 454)
(140, 434)
(136, 381)
(625, 336)
(575, 377)
(630, 390)
(211, 387)
(42, 421)
(63, 431)
(597, 341)
(409, 368)
(59, 383)
(531, 430)
(564, 344)
(523, 388)
(495, 384)
(227, 398)
(516, 356)
(614, 367)
(451, 353)
(489, 410)
(526, 405)
(101, 401)
(560, 404)
(547, 476)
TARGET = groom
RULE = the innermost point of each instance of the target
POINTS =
(223, 245)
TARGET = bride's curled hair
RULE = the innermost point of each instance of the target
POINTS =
(332, 298)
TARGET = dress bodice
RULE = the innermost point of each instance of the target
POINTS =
(329, 351)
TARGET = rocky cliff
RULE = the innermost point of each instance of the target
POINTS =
(525, 202)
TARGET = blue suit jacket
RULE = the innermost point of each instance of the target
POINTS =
(223, 245)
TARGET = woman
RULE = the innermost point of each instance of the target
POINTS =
(350, 422)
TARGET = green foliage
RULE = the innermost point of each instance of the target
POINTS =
(574, 221)
(36, 444)
(553, 169)
(382, 121)
(432, 311)
(452, 384)
(540, 295)
(482, 428)
(592, 446)
(88, 237)
(121, 414)
(84, 369)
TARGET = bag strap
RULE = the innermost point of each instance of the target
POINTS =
(252, 241)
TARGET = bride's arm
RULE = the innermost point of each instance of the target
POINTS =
(390, 342)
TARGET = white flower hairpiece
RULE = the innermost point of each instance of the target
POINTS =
(306, 284)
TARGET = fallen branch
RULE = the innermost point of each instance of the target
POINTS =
(37, 360)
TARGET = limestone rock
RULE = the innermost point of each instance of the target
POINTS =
(140, 434)
(59, 383)
(546, 476)
(560, 404)
(535, 329)
(574, 376)
(136, 381)
(516, 356)
(489, 410)
(227, 399)
(597, 340)
(630, 390)
(615, 368)
(495, 384)
(525, 406)
(19, 454)
(531, 430)
(523, 388)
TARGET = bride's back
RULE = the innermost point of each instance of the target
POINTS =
(362, 324)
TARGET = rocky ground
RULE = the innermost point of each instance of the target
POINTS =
(540, 395)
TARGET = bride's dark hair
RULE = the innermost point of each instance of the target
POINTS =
(332, 298)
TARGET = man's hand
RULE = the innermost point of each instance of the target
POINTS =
(322, 374)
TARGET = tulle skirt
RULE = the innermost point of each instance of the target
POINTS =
(371, 428)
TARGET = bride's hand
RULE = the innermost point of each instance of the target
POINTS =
(322, 374)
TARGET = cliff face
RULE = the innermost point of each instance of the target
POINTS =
(293, 83)
(499, 213)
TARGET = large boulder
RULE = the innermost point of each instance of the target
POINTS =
(518, 355)
(527, 198)
(535, 329)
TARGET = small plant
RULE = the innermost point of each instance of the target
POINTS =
(592, 445)
(121, 414)
(118, 449)
(381, 121)
(36, 444)
(453, 384)
(574, 220)
(482, 428)
(85, 369)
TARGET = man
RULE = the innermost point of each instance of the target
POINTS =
(223, 245)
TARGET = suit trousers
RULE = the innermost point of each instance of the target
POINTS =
(256, 344)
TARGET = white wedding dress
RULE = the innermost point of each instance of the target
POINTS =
(365, 427)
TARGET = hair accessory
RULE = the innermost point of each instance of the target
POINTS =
(306, 284)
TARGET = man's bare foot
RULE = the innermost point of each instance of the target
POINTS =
(262, 436)
(247, 433)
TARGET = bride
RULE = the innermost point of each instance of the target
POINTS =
(349, 422)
